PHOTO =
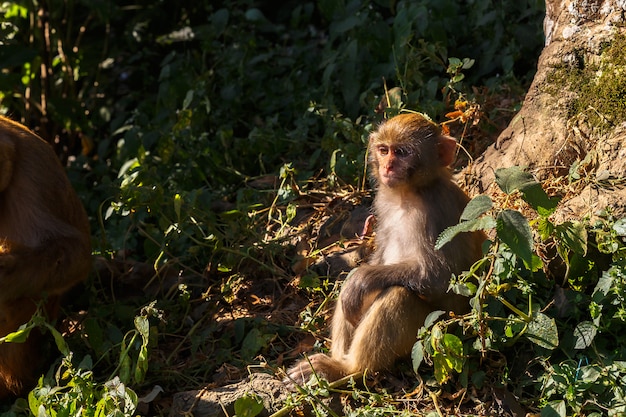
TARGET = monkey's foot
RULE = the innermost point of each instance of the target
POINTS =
(317, 366)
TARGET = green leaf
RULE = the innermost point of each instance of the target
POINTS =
(447, 356)
(442, 368)
(254, 341)
(476, 207)
(513, 229)
(143, 327)
(59, 341)
(468, 63)
(453, 348)
(18, 336)
(554, 409)
(454, 62)
(141, 368)
(417, 355)
(605, 282)
(458, 78)
(291, 212)
(584, 333)
(124, 363)
(249, 405)
(432, 318)
(483, 223)
(219, 21)
(545, 228)
(573, 236)
(543, 332)
(514, 178)
(539, 200)
(620, 227)
(255, 15)
(188, 99)
(466, 289)
(536, 264)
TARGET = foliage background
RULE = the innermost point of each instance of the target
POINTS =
(199, 133)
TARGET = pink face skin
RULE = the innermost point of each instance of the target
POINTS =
(391, 161)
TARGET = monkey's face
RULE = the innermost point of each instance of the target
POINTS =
(404, 152)
(403, 161)
(393, 163)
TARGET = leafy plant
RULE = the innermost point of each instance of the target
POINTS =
(72, 388)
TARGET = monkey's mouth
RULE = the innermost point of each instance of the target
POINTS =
(390, 178)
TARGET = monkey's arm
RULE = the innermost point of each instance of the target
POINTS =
(366, 282)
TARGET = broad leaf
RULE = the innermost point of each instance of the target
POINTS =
(466, 289)
(417, 355)
(254, 341)
(249, 405)
(543, 332)
(554, 409)
(442, 368)
(573, 236)
(602, 287)
(514, 178)
(484, 223)
(620, 227)
(432, 318)
(477, 206)
(18, 336)
(584, 333)
(447, 356)
(514, 230)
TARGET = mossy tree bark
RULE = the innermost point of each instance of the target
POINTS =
(573, 120)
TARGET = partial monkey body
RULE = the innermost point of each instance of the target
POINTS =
(44, 245)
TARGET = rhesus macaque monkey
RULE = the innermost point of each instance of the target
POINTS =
(44, 246)
(383, 303)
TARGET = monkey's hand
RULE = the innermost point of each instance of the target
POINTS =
(358, 294)
(365, 283)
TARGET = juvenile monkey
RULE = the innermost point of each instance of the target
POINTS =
(383, 304)
(44, 246)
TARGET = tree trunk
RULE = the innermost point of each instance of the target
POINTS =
(572, 123)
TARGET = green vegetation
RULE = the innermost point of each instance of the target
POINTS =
(210, 143)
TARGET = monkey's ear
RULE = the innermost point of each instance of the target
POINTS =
(447, 150)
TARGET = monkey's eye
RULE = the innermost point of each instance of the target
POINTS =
(401, 152)
(383, 150)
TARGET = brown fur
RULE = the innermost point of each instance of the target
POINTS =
(383, 304)
(45, 246)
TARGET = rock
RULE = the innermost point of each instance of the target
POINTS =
(221, 401)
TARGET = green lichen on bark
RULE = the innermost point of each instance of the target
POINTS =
(599, 85)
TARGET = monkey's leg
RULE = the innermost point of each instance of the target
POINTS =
(324, 366)
(387, 331)
(341, 332)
